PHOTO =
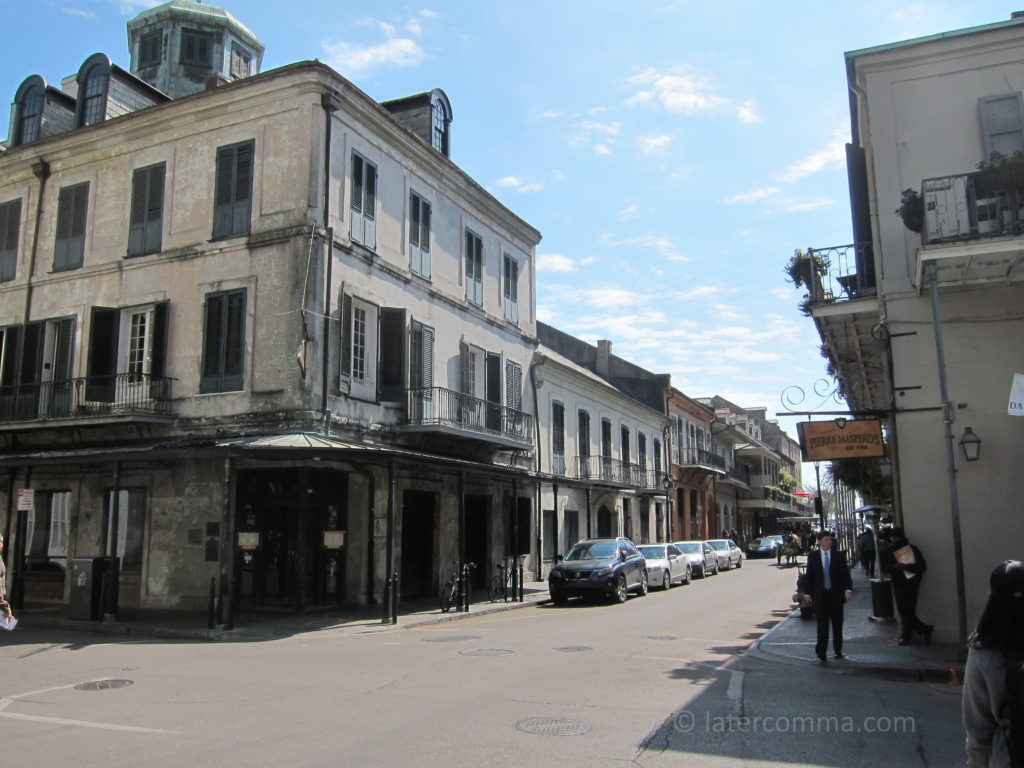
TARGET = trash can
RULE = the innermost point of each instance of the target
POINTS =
(881, 600)
(86, 587)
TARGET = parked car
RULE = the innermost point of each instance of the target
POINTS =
(599, 567)
(729, 555)
(766, 546)
(703, 558)
(666, 565)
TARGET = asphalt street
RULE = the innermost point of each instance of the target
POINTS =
(662, 680)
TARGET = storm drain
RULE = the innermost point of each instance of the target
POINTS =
(450, 638)
(552, 726)
(102, 685)
(573, 648)
(486, 652)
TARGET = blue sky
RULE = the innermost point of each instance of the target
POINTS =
(672, 153)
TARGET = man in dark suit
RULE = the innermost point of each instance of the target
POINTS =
(828, 577)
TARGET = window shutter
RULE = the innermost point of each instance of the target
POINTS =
(427, 373)
(222, 193)
(558, 429)
(31, 353)
(63, 341)
(212, 344)
(243, 189)
(158, 365)
(137, 217)
(357, 184)
(10, 221)
(414, 220)
(346, 335)
(154, 209)
(466, 368)
(513, 385)
(370, 207)
(102, 364)
(9, 349)
(1002, 124)
(391, 355)
(234, 341)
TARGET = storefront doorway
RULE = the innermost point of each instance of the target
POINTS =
(290, 523)
(418, 577)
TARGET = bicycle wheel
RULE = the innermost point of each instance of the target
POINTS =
(449, 595)
(496, 589)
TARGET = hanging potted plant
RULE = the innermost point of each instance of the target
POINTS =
(911, 209)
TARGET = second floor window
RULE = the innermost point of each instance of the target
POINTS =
(641, 450)
(656, 446)
(359, 347)
(419, 235)
(363, 226)
(558, 438)
(583, 435)
(223, 342)
(513, 385)
(510, 288)
(625, 445)
(127, 351)
(474, 269)
(146, 218)
(72, 208)
(233, 190)
(10, 226)
(196, 48)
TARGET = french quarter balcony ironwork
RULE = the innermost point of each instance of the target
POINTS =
(699, 457)
(849, 273)
(974, 206)
(600, 468)
(123, 394)
(437, 406)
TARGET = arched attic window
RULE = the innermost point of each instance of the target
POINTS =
(28, 111)
(441, 120)
(93, 84)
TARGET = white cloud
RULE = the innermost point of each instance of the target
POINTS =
(661, 244)
(427, 13)
(799, 206)
(747, 112)
(79, 12)
(752, 195)
(680, 90)
(653, 145)
(728, 312)
(550, 114)
(603, 149)
(600, 137)
(356, 58)
(555, 262)
(914, 12)
(629, 212)
(412, 26)
(697, 292)
(832, 156)
(607, 298)
(131, 7)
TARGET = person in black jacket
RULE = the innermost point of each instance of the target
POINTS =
(906, 573)
(830, 586)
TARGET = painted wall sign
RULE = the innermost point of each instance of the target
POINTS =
(1016, 407)
(840, 439)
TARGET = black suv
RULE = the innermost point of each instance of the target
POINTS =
(603, 567)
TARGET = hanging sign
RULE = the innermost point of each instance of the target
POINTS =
(1017, 395)
(840, 439)
(26, 499)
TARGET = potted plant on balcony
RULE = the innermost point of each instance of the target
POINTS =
(911, 209)
(803, 266)
(1000, 173)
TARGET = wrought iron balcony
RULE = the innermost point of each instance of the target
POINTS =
(846, 272)
(698, 457)
(739, 473)
(972, 206)
(618, 472)
(123, 394)
(440, 409)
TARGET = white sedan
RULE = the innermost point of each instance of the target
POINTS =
(666, 565)
(729, 555)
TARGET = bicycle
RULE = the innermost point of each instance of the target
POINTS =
(500, 587)
(450, 591)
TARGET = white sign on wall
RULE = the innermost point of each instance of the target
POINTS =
(1017, 395)
(26, 499)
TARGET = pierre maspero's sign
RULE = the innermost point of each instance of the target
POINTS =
(840, 439)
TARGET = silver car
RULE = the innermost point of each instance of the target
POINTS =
(666, 565)
(729, 555)
(703, 558)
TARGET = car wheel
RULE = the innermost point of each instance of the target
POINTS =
(642, 589)
(689, 575)
(739, 563)
(559, 599)
(621, 593)
(666, 579)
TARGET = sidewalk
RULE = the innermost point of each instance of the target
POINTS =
(869, 645)
(262, 625)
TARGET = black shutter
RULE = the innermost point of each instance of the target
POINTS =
(158, 365)
(346, 335)
(213, 322)
(222, 193)
(154, 209)
(137, 217)
(10, 221)
(391, 377)
(101, 371)
(243, 189)
(30, 370)
(234, 342)
(857, 172)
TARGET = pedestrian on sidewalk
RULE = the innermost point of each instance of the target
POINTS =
(866, 550)
(5, 607)
(906, 566)
(996, 647)
(828, 578)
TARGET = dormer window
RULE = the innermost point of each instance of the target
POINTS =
(29, 110)
(92, 95)
(150, 49)
(241, 61)
(196, 48)
(441, 120)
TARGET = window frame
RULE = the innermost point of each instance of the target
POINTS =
(360, 355)
(510, 287)
(10, 236)
(240, 53)
(131, 507)
(557, 437)
(363, 187)
(93, 87)
(145, 218)
(151, 55)
(28, 124)
(219, 372)
(196, 39)
(235, 167)
(474, 268)
(419, 234)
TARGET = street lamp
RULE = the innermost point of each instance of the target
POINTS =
(971, 444)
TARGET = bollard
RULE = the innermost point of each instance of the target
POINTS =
(394, 597)
(521, 574)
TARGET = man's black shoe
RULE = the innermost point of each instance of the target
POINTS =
(839, 656)
(822, 658)
(928, 634)
(904, 641)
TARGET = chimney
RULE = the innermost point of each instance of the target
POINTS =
(604, 358)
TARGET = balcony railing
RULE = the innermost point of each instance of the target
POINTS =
(849, 273)
(121, 394)
(617, 471)
(437, 406)
(971, 206)
(698, 457)
(740, 473)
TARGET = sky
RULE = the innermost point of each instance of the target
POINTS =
(672, 153)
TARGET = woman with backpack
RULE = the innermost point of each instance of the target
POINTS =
(993, 698)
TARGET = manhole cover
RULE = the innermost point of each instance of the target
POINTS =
(486, 652)
(450, 638)
(552, 726)
(574, 648)
(102, 685)
(662, 637)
